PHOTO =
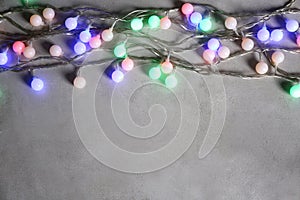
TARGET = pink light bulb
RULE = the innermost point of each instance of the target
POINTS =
(298, 40)
(165, 23)
(127, 64)
(187, 8)
(166, 67)
(18, 47)
(95, 42)
(209, 56)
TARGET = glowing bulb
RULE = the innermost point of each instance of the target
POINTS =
(55, 50)
(117, 76)
(276, 35)
(247, 44)
(292, 25)
(48, 13)
(18, 47)
(195, 18)
(209, 56)
(136, 24)
(261, 67)
(29, 52)
(277, 57)
(79, 48)
(95, 42)
(223, 52)
(127, 64)
(155, 73)
(187, 8)
(79, 82)
(213, 44)
(107, 35)
(71, 23)
(205, 25)
(3, 58)
(165, 23)
(154, 21)
(36, 20)
(85, 36)
(166, 67)
(298, 40)
(37, 84)
(230, 23)
(295, 91)
(171, 81)
(263, 34)
(120, 51)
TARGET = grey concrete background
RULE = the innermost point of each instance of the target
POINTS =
(257, 156)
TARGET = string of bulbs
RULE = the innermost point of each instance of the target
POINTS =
(200, 25)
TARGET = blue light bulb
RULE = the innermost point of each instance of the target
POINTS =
(195, 18)
(85, 36)
(3, 58)
(117, 76)
(71, 23)
(37, 84)
(263, 34)
(276, 35)
(213, 44)
(79, 48)
(292, 25)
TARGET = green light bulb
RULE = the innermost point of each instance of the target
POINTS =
(205, 24)
(136, 24)
(155, 73)
(295, 91)
(154, 21)
(120, 51)
(171, 81)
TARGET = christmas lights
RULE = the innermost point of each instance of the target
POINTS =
(200, 30)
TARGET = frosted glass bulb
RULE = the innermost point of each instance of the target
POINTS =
(166, 67)
(37, 84)
(71, 23)
(36, 20)
(18, 47)
(120, 51)
(187, 8)
(3, 58)
(107, 35)
(205, 24)
(213, 44)
(117, 76)
(127, 64)
(136, 24)
(298, 40)
(95, 42)
(79, 48)
(48, 13)
(155, 73)
(277, 57)
(230, 23)
(263, 34)
(85, 36)
(292, 25)
(195, 18)
(165, 23)
(79, 82)
(247, 44)
(209, 56)
(295, 91)
(154, 21)
(276, 35)
(171, 81)
(261, 67)
(223, 52)
(29, 52)
(55, 50)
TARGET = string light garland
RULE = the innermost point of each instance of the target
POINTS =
(94, 28)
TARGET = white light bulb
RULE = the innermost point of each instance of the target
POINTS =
(55, 50)
(36, 20)
(48, 13)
